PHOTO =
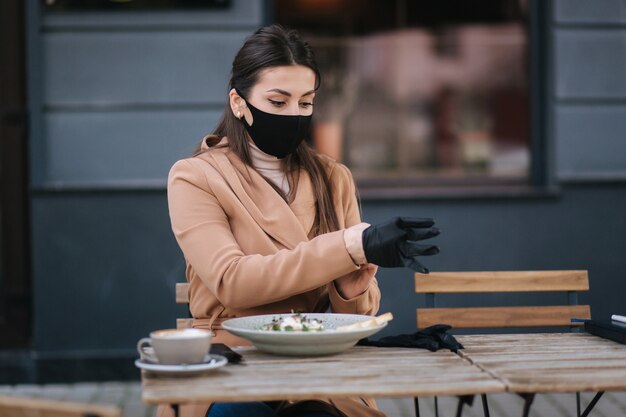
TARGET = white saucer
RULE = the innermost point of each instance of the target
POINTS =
(210, 362)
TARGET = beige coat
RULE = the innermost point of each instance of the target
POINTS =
(249, 252)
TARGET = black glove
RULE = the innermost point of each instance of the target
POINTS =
(393, 244)
(432, 338)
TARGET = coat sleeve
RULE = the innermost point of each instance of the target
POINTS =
(345, 197)
(240, 281)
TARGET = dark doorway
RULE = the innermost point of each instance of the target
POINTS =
(15, 292)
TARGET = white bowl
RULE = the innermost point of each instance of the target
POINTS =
(296, 343)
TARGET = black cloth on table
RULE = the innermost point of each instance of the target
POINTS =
(432, 338)
(228, 353)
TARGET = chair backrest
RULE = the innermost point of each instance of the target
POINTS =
(36, 407)
(509, 281)
(182, 297)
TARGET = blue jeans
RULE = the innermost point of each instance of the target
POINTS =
(252, 409)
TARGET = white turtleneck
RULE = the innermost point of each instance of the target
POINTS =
(269, 166)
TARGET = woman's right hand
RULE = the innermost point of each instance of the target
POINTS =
(394, 243)
(356, 283)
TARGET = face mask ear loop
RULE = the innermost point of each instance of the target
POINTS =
(242, 118)
(240, 95)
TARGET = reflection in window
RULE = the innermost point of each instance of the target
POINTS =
(420, 94)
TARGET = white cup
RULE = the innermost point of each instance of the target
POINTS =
(175, 346)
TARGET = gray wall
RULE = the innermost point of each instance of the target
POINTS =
(589, 89)
(123, 96)
(116, 109)
(116, 99)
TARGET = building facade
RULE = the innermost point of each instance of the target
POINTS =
(115, 99)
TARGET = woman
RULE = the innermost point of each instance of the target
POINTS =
(266, 224)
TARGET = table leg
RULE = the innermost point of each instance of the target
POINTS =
(416, 404)
(577, 404)
(592, 404)
(528, 400)
(175, 409)
(483, 397)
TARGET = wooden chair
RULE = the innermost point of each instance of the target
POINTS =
(570, 282)
(36, 407)
(182, 297)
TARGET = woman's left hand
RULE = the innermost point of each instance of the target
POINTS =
(355, 284)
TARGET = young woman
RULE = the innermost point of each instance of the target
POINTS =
(267, 225)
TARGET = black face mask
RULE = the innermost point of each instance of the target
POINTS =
(276, 134)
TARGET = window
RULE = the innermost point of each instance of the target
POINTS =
(420, 93)
(71, 5)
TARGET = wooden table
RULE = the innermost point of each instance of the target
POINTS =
(361, 371)
(521, 363)
(549, 363)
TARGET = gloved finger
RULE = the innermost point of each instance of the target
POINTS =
(411, 249)
(421, 234)
(414, 264)
(448, 341)
(406, 222)
(429, 344)
(430, 250)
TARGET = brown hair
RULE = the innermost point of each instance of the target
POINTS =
(274, 46)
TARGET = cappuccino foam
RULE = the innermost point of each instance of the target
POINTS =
(181, 333)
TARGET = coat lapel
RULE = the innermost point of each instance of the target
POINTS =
(303, 204)
(265, 206)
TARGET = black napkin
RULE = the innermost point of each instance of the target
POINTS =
(432, 338)
(228, 353)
